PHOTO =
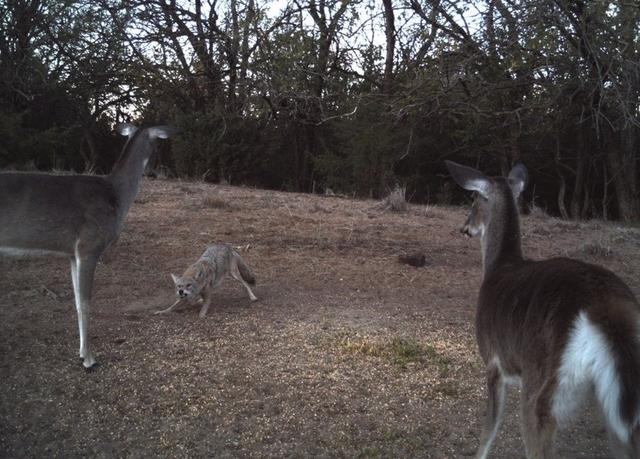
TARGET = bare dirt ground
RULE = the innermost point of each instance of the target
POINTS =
(348, 353)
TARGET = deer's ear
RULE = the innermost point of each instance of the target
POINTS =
(518, 178)
(126, 129)
(162, 132)
(469, 178)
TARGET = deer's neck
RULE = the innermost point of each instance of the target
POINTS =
(501, 238)
(127, 172)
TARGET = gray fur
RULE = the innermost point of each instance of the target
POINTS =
(74, 216)
(200, 279)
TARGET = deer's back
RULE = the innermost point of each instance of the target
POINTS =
(43, 212)
(526, 309)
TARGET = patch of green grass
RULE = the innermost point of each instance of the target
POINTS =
(441, 361)
(401, 351)
(362, 346)
(392, 435)
(404, 352)
(448, 389)
(370, 451)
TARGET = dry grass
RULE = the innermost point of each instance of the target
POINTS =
(348, 353)
(214, 202)
(537, 212)
(184, 189)
(398, 350)
(600, 248)
(396, 201)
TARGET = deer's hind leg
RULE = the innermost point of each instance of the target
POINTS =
(628, 448)
(496, 388)
(539, 422)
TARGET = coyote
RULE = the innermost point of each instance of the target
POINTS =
(199, 279)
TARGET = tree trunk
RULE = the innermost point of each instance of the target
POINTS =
(561, 192)
(578, 186)
(623, 160)
(622, 166)
(390, 34)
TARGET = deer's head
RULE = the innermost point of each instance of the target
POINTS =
(490, 193)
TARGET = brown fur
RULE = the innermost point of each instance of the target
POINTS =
(527, 311)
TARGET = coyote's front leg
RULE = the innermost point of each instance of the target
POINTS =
(206, 302)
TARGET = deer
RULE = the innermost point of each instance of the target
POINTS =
(566, 331)
(75, 216)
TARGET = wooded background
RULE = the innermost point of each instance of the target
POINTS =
(352, 96)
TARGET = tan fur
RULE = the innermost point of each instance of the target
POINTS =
(201, 278)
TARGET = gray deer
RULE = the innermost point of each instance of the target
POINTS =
(561, 328)
(75, 216)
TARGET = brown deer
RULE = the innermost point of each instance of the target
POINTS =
(74, 216)
(561, 328)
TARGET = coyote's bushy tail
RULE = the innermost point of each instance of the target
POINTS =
(245, 271)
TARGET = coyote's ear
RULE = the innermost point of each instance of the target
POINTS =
(175, 278)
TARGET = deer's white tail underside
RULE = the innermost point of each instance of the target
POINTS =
(568, 329)
(588, 361)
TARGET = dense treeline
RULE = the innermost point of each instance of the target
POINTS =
(352, 96)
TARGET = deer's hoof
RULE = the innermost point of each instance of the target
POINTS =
(92, 368)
